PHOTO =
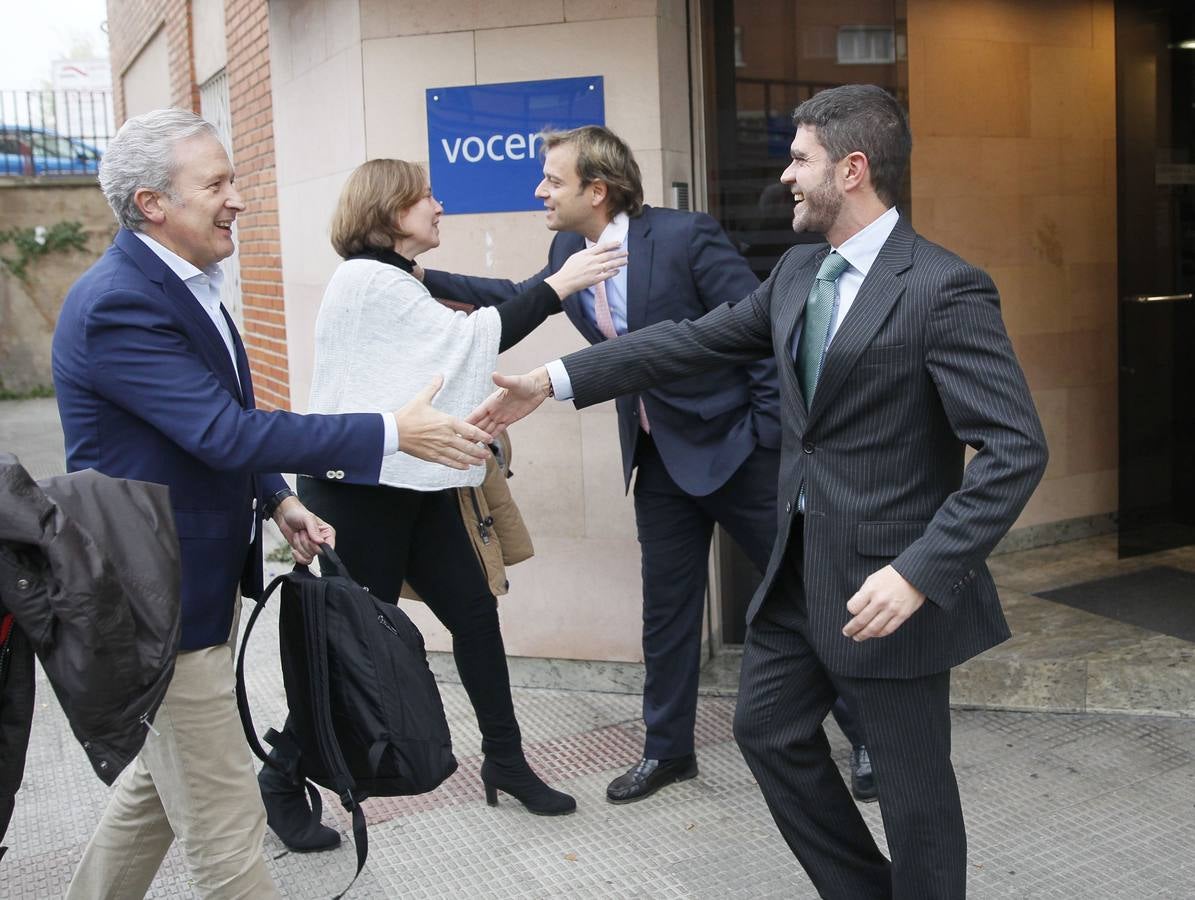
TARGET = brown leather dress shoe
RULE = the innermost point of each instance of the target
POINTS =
(649, 775)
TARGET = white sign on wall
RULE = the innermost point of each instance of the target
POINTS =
(82, 75)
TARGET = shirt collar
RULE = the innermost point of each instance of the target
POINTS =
(615, 230)
(862, 248)
(179, 266)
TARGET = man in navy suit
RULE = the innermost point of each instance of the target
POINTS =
(153, 384)
(705, 447)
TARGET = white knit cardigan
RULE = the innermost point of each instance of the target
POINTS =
(380, 338)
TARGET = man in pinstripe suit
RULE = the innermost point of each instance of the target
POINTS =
(877, 584)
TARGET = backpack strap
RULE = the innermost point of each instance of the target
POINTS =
(316, 616)
(330, 564)
(376, 752)
(242, 695)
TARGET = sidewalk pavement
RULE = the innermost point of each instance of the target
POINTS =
(1057, 805)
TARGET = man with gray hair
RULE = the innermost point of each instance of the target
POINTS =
(153, 384)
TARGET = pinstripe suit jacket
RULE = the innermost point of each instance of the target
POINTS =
(920, 368)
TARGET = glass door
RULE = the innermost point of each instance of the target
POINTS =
(761, 58)
(1155, 61)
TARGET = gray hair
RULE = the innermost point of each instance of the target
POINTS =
(142, 156)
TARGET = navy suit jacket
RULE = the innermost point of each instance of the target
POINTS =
(146, 390)
(681, 266)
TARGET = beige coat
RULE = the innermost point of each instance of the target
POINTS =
(500, 538)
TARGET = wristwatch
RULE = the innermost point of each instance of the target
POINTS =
(274, 501)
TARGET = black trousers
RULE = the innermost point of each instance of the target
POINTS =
(784, 693)
(387, 535)
(675, 529)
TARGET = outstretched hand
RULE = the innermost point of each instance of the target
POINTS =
(517, 396)
(883, 603)
(428, 434)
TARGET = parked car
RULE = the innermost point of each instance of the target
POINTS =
(37, 151)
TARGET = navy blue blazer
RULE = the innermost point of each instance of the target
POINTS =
(146, 390)
(681, 266)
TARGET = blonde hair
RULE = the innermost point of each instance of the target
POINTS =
(367, 212)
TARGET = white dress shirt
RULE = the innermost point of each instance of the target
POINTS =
(860, 251)
(616, 284)
(204, 285)
(616, 298)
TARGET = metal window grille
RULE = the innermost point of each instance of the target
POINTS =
(54, 132)
(680, 195)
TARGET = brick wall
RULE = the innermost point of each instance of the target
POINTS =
(131, 24)
(247, 25)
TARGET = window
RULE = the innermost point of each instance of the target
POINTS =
(865, 46)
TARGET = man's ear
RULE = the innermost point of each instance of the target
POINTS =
(150, 204)
(858, 170)
(600, 192)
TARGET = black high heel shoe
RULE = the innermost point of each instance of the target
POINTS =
(516, 778)
(297, 825)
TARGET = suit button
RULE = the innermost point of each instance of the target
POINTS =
(807, 446)
(340, 473)
(331, 473)
(788, 508)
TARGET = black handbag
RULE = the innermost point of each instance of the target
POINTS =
(365, 712)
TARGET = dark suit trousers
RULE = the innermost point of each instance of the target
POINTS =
(386, 535)
(784, 693)
(674, 537)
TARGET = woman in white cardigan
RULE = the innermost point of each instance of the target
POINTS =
(380, 337)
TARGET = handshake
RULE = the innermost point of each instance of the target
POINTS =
(429, 434)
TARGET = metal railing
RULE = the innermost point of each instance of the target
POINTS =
(46, 133)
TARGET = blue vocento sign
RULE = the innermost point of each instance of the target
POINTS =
(483, 140)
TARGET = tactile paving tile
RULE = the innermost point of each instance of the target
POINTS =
(1057, 806)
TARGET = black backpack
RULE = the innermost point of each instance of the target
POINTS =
(364, 706)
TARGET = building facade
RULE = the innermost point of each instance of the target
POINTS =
(1019, 147)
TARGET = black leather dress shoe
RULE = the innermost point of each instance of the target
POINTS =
(863, 781)
(649, 775)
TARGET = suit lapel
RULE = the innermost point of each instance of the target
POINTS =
(202, 328)
(791, 310)
(574, 309)
(563, 246)
(641, 248)
(880, 290)
(243, 374)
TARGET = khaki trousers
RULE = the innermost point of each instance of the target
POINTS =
(194, 781)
